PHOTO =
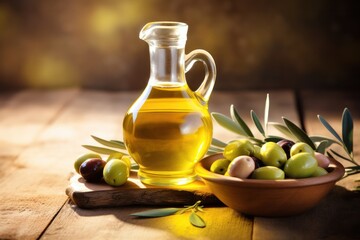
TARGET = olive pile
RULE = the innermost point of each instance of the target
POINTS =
(114, 171)
(273, 161)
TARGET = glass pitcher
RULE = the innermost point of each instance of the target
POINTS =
(168, 128)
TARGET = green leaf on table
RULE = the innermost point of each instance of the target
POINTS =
(107, 143)
(100, 150)
(160, 212)
(347, 130)
(196, 220)
(257, 122)
(216, 142)
(299, 133)
(228, 123)
(330, 128)
(236, 118)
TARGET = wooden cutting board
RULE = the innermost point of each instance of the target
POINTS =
(134, 192)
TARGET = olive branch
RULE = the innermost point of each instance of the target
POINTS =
(291, 131)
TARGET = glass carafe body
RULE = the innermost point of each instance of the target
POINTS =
(168, 128)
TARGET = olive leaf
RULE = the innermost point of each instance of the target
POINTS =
(321, 148)
(257, 122)
(113, 144)
(330, 128)
(160, 212)
(196, 220)
(347, 130)
(283, 129)
(255, 140)
(266, 113)
(100, 150)
(273, 139)
(119, 142)
(236, 118)
(215, 149)
(318, 138)
(299, 133)
(228, 123)
(218, 143)
(211, 152)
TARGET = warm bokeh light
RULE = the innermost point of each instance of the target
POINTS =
(46, 70)
(95, 44)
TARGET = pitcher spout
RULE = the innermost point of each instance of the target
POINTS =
(164, 32)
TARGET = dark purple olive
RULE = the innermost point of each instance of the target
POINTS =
(92, 170)
(258, 162)
(286, 145)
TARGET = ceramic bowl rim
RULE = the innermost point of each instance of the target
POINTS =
(336, 172)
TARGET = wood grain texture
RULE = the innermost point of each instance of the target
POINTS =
(41, 133)
(23, 119)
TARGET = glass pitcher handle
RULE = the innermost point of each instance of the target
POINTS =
(208, 83)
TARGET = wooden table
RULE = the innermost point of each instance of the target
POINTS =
(41, 133)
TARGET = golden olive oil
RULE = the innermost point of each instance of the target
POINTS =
(166, 131)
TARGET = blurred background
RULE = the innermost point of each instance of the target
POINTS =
(295, 44)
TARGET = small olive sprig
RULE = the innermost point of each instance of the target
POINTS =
(194, 218)
(321, 144)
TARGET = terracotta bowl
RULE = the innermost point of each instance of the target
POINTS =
(269, 198)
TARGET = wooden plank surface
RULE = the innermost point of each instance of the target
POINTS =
(336, 217)
(41, 134)
(23, 118)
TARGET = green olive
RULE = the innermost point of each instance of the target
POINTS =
(220, 166)
(272, 154)
(127, 160)
(301, 165)
(82, 158)
(300, 147)
(257, 152)
(117, 155)
(116, 172)
(268, 173)
(122, 157)
(237, 148)
(319, 172)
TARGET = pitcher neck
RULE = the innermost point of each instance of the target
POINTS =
(167, 65)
